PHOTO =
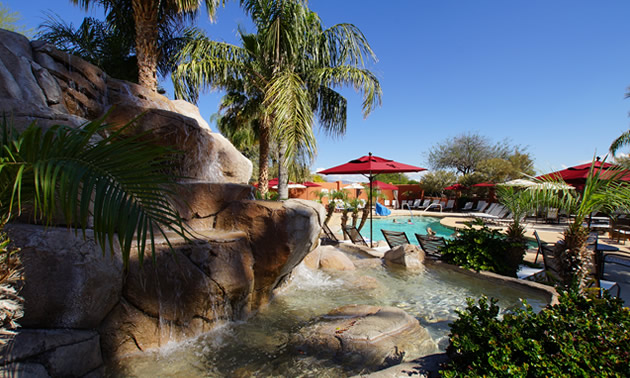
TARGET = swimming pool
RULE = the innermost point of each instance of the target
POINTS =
(419, 225)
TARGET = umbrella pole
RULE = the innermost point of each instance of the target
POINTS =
(371, 195)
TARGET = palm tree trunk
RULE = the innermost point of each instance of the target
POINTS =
(344, 221)
(263, 159)
(364, 217)
(576, 258)
(145, 14)
(283, 172)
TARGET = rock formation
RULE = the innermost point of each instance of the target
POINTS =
(80, 307)
(369, 336)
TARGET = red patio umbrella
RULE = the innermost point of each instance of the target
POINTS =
(484, 184)
(384, 186)
(310, 184)
(369, 166)
(576, 175)
(457, 186)
(274, 182)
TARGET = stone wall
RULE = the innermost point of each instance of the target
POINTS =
(81, 306)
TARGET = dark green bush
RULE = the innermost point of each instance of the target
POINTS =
(484, 249)
(579, 337)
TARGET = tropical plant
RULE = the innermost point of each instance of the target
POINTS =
(90, 172)
(147, 17)
(285, 73)
(580, 336)
(480, 248)
(98, 42)
(603, 192)
(519, 202)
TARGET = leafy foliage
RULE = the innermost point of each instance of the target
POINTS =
(394, 178)
(473, 153)
(480, 248)
(283, 76)
(65, 170)
(10, 21)
(433, 183)
(578, 337)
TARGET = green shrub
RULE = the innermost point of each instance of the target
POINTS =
(484, 249)
(580, 336)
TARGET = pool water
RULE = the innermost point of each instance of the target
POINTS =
(419, 225)
(262, 346)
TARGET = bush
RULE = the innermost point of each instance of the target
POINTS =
(484, 249)
(581, 336)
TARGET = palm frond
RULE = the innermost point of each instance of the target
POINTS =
(287, 100)
(621, 141)
(63, 169)
(362, 80)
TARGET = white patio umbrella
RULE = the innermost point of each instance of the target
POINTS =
(292, 186)
(519, 182)
(355, 185)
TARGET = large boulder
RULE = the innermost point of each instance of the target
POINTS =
(51, 352)
(208, 156)
(333, 259)
(39, 83)
(183, 294)
(280, 233)
(363, 335)
(68, 281)
(408, 256)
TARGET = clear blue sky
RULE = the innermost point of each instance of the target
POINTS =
(550, 75)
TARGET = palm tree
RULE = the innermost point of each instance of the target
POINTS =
(148, 16)
(287, 69)
(621, 141)
(603, 192)
(119, 181)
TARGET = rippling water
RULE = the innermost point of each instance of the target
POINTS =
(262, 347)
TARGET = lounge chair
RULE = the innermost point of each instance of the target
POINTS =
(541, 244)
(450, 205)
(403, 203)
(386, 203)
(431, 245)
(354, 235)
(592, 244)
(481, 206)
(395, 238)
(468, 206)
(329, 236)
(614, 259)
(488, 213)
(421, 206)
(395, 204)
(528, 273)
(433, 205)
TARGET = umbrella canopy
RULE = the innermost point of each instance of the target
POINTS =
(310, 184)
(576, 175)
(519, 182)
(484, 184)
(369, 166)
(291, 185)
(457, 186)
(384, 186)
(273, 183)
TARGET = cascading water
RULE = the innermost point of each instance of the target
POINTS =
(262, 346)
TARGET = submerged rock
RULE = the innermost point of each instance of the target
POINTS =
(363, 335)
(408, 256)
(333, 259)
